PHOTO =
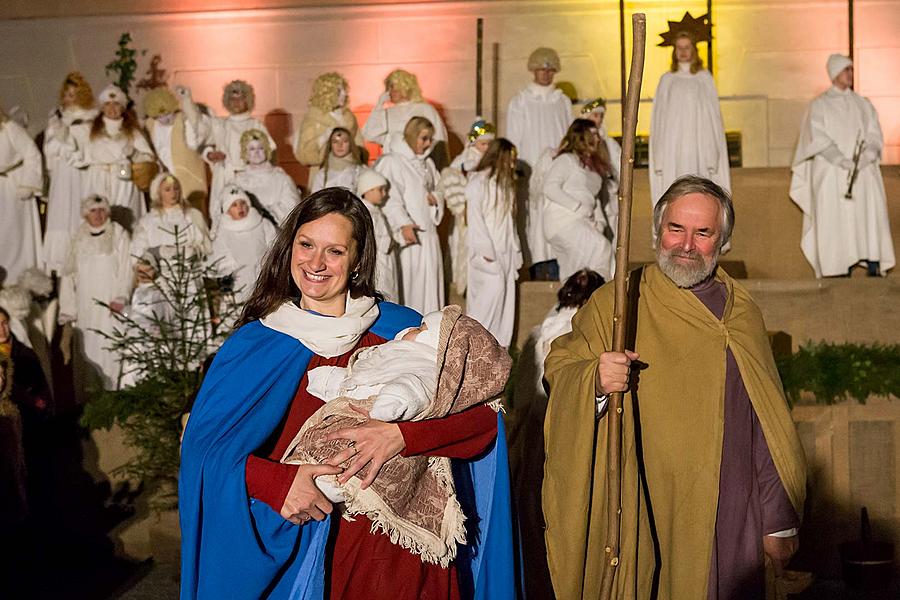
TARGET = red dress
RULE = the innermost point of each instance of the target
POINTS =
(361, 564)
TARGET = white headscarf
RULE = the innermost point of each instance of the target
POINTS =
(836, 64)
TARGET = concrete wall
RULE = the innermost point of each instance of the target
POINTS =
(769, 56)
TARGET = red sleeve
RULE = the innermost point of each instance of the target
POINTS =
(463, 435)
(269, 481)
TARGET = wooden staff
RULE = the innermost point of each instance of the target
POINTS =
(614, 406)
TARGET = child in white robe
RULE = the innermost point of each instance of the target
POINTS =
(243, 239)
(342, 162)
(372, 188)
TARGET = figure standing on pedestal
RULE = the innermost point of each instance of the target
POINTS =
(837, 181)
(687, 136)
(327, 111)
(20, 179)
(222, 136)
(536, 121)
(175, 145)
(385, 126)
(68, 184)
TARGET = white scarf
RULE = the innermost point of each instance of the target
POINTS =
(324, 335)
(252, 219)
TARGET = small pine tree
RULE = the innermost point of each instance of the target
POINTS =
(125, 65)
(174, 324)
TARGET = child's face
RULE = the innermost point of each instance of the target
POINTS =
(410, 336)
(238, 210)
(377, 195)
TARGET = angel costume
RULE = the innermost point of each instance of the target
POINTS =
(385, 125)
(494, 257)
(68, 184)
(839, 232)
(341, 172)
(309, 141)
(412, 177)
(21, 178)
(386, 278)
(413, 500)
(240, 245)
(98, 268)
(271, 186)
(686, 132)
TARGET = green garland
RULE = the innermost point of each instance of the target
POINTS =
(836, 372)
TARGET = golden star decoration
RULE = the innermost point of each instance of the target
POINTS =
(698, 29)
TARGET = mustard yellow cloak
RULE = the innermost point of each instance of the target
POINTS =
(681, 412)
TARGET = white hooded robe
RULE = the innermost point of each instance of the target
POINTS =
(839, 232)
(21, 178)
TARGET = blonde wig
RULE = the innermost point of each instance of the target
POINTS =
(413, 128)
(696, 62)
(84, 96)
(327, 91)
(155, 201)
(158, 102)
(406, 83)
(243, 88)
(544, 58)
(258, 135)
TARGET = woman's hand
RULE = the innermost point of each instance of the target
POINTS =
(409, 233)
(376, 442)
(431, 199)
(304, 501)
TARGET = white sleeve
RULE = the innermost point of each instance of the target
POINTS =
(325, 382)
(556, 177)
(515, 122)
(401, 399)
(478, 238)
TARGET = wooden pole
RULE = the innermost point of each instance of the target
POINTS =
(622, 60)
(850, 34)
(495, 89)
(479, 51)
(709, 45)
(614, 405)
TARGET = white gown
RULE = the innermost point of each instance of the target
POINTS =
(68, 184)
(840, 232)
(223, 134)
(239, 248)
(98, 268)
(573, 223)
(412, 177)
(105, 155)
(536, 121)
(386, 280)
(344, 177)
(385, 125)
(687, 136)
(453, 187)
(20, 225)
(271, 185)
(491, 295)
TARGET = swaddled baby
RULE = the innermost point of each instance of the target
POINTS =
(400, 374)
(447, 365)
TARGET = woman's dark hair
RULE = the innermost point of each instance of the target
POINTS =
(578, 288)
(4, 312)
(275, 283)
(577, 141)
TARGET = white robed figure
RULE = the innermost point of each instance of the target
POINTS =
(341, 164)
(241, 242)
(20, 179)
(453, 188)
(114, 143)
(372, 188)
(269, 185)
(493, 244)
(385, 125)
(687, 136)
(221, 136)
(68, 184)
(536, 121)
(414, 212)
(839, 232)
(575, 224)
(98, 269)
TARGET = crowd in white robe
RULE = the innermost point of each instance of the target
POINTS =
(234, 196)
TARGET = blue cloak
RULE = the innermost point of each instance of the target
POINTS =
(234, 546)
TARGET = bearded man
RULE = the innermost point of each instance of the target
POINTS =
(713, 474)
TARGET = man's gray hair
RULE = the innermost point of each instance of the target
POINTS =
(692, 184)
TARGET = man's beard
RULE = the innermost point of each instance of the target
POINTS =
(685, 275)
